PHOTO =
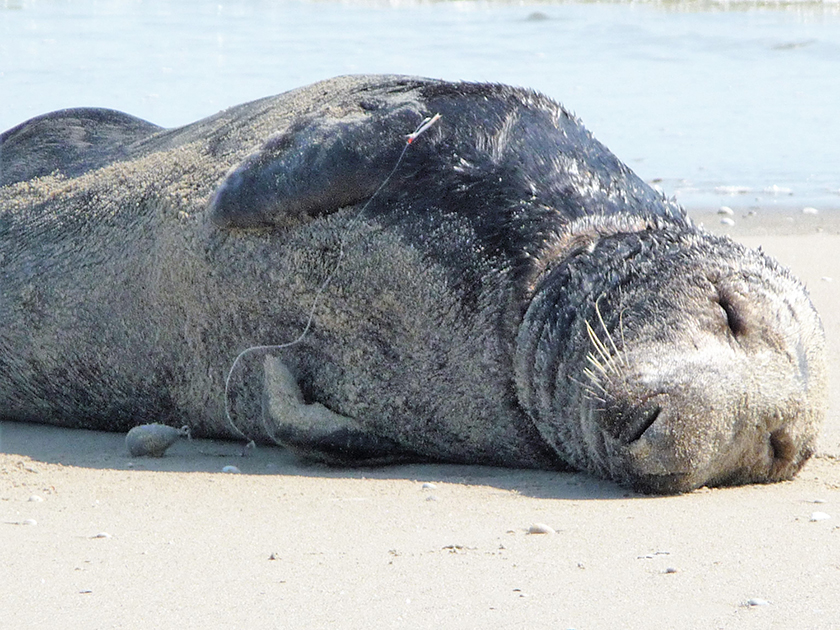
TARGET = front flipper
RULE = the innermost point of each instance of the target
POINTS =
(313, 168)
(316, 433)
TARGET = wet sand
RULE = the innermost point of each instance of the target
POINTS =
(92, 538)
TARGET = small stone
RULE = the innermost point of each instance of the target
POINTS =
(670, 570)
(726, 210)
(541, 528)
(755, 601)
(231, 469)
(819, 501)
(35, 499)
(819, 516)
(29, 521)
(428, 486)
(727, 221)
(101, 535)
(810, 210)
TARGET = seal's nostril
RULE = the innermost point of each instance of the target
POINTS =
(646, 420)
(784, 450)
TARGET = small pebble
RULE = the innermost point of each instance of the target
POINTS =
(541, 528)
(727, 221)
(819, 516)
(29, 521)
(428, 486)
(35, 499)
(101, 535)
(670, 570)
(231, 469)
(726, 210)
(819, 501)
(810, 210)
(755, 601)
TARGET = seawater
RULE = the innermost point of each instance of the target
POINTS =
(717, 103)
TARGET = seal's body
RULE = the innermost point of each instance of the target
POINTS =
(513, 295)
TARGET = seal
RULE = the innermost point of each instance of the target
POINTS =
(502, 290)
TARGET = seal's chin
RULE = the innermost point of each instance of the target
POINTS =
(673, 483)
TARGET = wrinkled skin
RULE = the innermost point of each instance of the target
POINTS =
(512, 295)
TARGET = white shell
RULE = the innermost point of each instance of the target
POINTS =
(153, 439)
(541, 528)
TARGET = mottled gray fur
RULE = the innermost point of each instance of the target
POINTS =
(513, 296)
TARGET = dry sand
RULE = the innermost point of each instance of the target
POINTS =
(94, 539)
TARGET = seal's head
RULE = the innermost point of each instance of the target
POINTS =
(668, 359)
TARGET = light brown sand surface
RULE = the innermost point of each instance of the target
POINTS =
(117, 542)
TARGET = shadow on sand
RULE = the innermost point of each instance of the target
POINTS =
(102, 450)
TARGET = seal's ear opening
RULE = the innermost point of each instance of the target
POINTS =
(312, 169)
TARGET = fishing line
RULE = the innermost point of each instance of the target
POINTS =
(410, 138)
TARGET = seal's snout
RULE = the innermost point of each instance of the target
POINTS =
(698, 417)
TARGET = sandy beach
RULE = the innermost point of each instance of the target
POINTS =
(92, 538)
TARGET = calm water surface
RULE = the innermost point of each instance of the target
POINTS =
(717, 104)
